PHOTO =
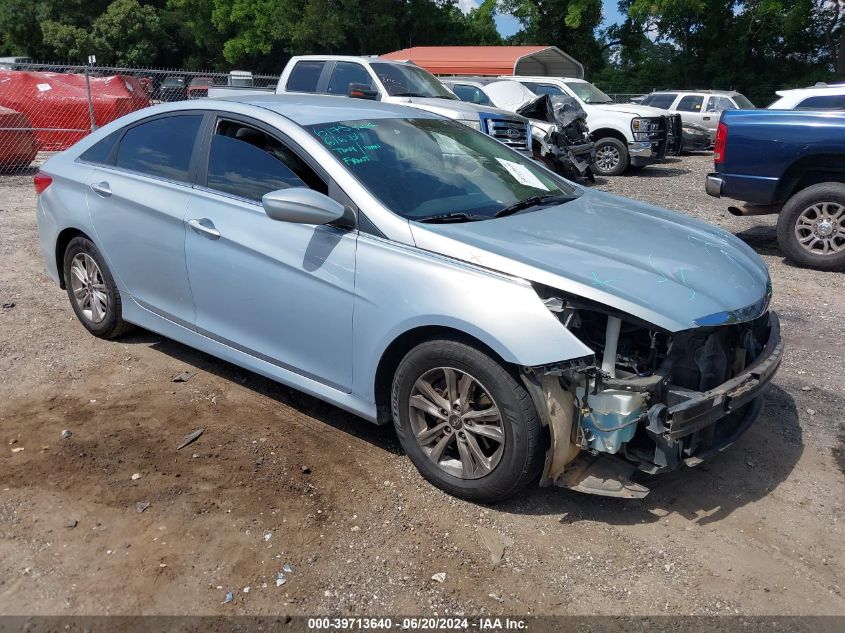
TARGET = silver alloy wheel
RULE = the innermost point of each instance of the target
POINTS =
(88, 287)
(820, 229)
(607, 158)
(457, 423)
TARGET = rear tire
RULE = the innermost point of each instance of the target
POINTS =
(811, 227)
(489, 444)
(611, 157)
(92, 291)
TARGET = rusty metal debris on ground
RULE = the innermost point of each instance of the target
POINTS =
(191, 437)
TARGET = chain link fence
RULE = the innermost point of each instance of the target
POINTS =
(47, 108)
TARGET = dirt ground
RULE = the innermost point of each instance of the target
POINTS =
(280, 478)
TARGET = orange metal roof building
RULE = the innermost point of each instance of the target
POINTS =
(548, 61)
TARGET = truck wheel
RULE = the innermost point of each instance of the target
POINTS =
(611, 157)
(466, 422)
(811, 226)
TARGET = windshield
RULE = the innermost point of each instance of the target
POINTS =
(743, 102)
(422, 169)
(587, 92)
(405, 80)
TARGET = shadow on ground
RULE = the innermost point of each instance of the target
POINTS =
(381, 436)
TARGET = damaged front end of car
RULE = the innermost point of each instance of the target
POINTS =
(648, 400)
(560, 135)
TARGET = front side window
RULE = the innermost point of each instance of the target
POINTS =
(346, 73)
(543, 89)
(690, 103)
(434, 169)
(406, 80)
(161, 147)
(662, 100)
(587, 92)
(471, 94)
(244, 161)
(719, 104)
(304, 76)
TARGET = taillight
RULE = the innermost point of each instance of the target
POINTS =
(41, 182)
(721, 141)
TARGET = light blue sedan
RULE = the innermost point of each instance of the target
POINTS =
(514, 327)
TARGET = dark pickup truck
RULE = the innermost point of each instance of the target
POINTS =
(788, 162)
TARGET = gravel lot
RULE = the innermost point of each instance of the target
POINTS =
(279, 477)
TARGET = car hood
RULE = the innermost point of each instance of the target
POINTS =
(662, 267)
(632, 109)
(452, 108)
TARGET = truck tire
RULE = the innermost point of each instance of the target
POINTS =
(611, 157)
(466, 422)
(811, 227)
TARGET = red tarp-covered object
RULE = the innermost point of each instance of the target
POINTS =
(18, 145)
(56, 104)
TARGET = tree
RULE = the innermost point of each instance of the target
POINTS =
(569, 24)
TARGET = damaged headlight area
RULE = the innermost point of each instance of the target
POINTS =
(652, 399)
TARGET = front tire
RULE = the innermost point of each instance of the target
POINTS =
(811, 227)
(92, 291)
(466, 422)
(611, 157)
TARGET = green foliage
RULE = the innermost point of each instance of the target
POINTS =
(754, 46)
(568, 24)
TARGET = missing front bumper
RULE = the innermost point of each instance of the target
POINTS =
(682, 427)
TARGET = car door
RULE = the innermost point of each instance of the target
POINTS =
(713, 109)
(279, 291)
(137, 197)
(691, 109)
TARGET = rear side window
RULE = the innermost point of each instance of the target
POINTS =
(661, 100)
(690, 103)
(542, 89)
(823, 102)
(346, 73)
(161, 147)
(719, 104)
(246, 162)
(304, 76)
(101, 152)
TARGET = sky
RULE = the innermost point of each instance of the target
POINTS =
(508, 25)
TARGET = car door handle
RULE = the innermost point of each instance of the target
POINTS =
(205, 227)
(707, 118)
(101, 188)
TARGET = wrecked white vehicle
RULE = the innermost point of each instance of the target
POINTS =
(559, 133)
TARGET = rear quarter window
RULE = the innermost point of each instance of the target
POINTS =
(102, 152)
(305, 76)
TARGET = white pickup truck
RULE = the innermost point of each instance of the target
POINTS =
(393, 82)
(624, 134)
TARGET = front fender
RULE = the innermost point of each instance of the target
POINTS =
(399, 288)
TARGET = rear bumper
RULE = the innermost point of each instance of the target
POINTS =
(753, 189)
(713, 186)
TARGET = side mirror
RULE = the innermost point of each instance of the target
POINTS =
(302, 206)
(362, 91)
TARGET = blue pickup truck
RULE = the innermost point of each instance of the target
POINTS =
(792, 163)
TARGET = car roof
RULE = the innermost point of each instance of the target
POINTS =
(305, 109)
(369, 59)
(724, 93)
(831, 89)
